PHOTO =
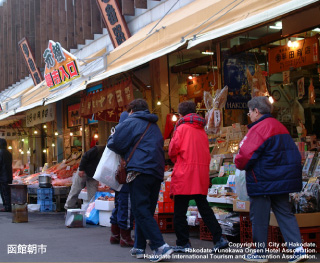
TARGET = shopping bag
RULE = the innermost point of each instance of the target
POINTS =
(240, 182)
(106, 169)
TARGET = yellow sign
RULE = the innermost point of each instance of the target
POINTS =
(61, 66)
(300, 53)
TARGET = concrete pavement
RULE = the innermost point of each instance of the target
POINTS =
(46, 234)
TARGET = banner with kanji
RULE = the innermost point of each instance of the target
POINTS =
(108, 103)
(40, 115)
(61, 66)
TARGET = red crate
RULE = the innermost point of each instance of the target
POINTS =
(165, 222)
(205, 233)
(311, 235)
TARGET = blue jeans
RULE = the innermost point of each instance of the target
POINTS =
(122, 212)
(144, 192)
(260, 216)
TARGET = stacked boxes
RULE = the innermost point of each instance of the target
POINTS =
(165, 203)
(44, 199)
(105, 211)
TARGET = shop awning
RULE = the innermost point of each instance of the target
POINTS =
(41, 95)
(207, 19)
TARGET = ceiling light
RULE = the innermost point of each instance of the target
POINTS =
(190, 77)
(174, 117)
(44, 126)
(207, 52)
(271, 100)
(316, 29)
(277, 25)
(44, 150)
(53, 145)
(56, 133)
(96, 136)
(22, 140)
(35, 132)
(10, 147)
(294, 44)
(71, 133)
(22, 152)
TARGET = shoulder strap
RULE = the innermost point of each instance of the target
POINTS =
(135, 147)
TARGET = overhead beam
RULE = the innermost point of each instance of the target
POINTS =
(192, 64)
(128, 8)
(140, 4)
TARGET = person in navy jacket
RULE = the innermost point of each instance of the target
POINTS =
(273, 170)
(147, 167)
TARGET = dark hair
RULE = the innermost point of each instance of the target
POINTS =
(3, 143)
(186, 107)
(138, 105)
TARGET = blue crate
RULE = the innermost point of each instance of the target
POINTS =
(44, 194)
(47, 206)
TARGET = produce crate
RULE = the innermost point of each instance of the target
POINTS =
(165, 222)
(311, 235)
(205, 234)
(44, 194)
(47, 206)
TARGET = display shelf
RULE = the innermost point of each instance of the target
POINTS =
(220, 200)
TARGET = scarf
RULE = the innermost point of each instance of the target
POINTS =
(191, 118)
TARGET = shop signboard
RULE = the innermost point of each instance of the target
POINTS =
(114, 21)
(105, 104)
(74, 118)
(40, 115)
(61, 66)
(235, 69)
(29, 59)
(300, 53)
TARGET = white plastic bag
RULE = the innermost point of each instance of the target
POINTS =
(106, 169)
(241, 188)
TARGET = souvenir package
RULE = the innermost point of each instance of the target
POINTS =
(214, 107)
(257, 83)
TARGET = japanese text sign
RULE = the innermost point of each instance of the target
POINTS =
(61, 66)
(114, 21)
(305, 52)
(40, 115)
(74, 118)
(29, 59)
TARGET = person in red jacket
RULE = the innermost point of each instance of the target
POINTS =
(189, 151)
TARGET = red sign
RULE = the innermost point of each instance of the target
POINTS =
(74, 118)
(114, 21)
(301, 53)
(61, 66)
(29, 59)
(197, 85)
(106, 104)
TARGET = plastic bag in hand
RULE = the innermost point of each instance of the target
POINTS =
(106, 169)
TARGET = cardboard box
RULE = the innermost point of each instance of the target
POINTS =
(168, 207)
(167, 186)
(104, 205)
(241, 206)
(160, 207)
(304, 219)
(166, 197)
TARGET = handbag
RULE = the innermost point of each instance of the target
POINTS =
(121, 173)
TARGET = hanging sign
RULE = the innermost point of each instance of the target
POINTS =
(197, 85)
(40, 115)
(61, 66)
(301, 53)
(114, 21)
(74, 117)
(29, 59)
(108, 102)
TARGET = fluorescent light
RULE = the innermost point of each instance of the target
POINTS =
(277, 25)
(207, 52)
(316, 29)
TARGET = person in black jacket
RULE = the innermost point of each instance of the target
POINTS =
(5, 175)
(87, 168)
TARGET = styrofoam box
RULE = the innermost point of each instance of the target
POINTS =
(104, 205)
(104, 218)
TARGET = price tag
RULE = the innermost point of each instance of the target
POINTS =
(68, 168)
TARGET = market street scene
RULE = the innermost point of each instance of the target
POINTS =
(159, 130)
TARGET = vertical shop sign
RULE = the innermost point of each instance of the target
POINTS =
(40, 115)
(29, 59)
(301, 53)
(114, 21)
(199, 84)
(74, 118)
(61, 66)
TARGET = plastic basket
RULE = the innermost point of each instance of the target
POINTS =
(165, 222)
(47, 206)
(44, 194)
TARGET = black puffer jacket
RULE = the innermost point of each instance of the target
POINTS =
(5, 163)
(90, 160)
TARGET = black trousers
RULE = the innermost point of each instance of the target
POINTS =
(181, 228)
(6, 196)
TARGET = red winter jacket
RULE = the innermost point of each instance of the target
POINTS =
(189, 150)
